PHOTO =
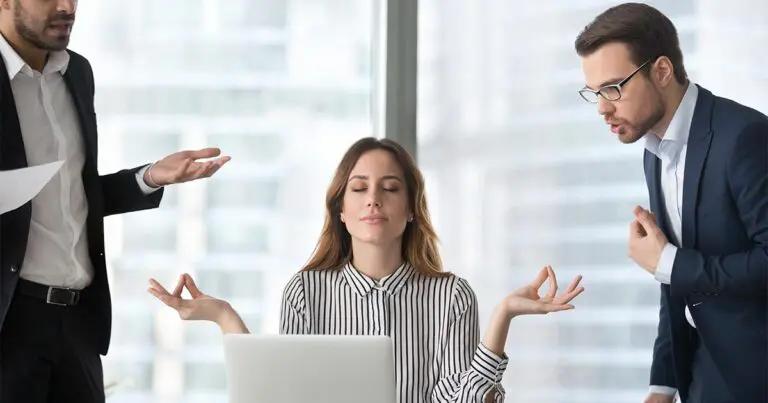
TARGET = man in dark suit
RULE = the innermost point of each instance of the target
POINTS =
(55, 311)
(706, 242)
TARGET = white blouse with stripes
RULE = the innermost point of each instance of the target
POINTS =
(433, 323)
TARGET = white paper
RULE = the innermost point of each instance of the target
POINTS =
(21, 185)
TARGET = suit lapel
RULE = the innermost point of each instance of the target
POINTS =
(77, 85)
(699, 141)
(12, 153)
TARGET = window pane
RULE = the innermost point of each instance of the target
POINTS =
(284, 88)
(523, 173)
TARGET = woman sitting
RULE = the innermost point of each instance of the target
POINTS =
(377, 271)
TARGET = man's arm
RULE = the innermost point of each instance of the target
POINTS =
(744, 273)
(122, 193)
(662, 368)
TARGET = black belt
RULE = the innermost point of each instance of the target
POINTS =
(51, 295)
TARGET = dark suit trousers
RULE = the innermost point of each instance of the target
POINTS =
(42, 362)
(707, 385)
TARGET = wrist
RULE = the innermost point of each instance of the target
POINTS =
(502, 314)
(225, 316)
(148, 177)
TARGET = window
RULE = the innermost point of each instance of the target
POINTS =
(284, 101)
(253, 14)
(539, 181)
(152, 232)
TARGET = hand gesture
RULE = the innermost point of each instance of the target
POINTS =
(526, 300)
(199, 307)
(183, 167)
(659, 398)
(646, 240)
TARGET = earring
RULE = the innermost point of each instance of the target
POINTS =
(410, 218)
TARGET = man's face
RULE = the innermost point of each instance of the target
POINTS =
(640, 107)
(44, 24)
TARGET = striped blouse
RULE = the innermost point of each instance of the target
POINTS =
(433, 323)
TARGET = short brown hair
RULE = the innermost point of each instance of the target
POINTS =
(420, 249)
(647, 32)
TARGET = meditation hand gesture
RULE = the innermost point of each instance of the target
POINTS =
(526, 300)
(199, 307)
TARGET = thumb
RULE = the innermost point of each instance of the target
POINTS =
(209, 152)
(647, 221)
(192, 287)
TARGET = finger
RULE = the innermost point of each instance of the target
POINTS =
(192, 287)
(217, 164)
(209, 152)
(181, 171)
(636, 229)
(557, 308)
(157, 287)
(179, 287)
(552, 282)
(566, 298)
(574, 284)
(647, 222)
(540, 279)
(639, 210)
(167, 299)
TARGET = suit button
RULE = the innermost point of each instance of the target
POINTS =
(14, 269)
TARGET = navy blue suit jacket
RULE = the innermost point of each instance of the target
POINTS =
(720, 271)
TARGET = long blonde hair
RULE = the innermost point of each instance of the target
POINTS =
(334, 248)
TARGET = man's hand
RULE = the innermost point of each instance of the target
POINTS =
(183, 167)
(660, 398)
(646, 240)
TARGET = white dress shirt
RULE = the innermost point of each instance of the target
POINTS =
(57, 246)
(671, 150)
(433, 323)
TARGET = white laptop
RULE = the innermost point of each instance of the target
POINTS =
(309, 368)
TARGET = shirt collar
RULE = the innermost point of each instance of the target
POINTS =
(362, 284)
(679, 128)
(58, 61)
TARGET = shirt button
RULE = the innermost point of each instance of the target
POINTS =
(14, 269)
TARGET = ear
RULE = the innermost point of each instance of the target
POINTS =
(341, 217)
(663, 71)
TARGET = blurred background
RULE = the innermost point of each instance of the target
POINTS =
(520, 171)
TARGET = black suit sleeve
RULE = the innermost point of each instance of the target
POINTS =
(744, 273)
(662, 368)
(123, 195)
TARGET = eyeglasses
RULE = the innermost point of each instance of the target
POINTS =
(609, 92)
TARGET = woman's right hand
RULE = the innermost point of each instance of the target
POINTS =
(199, 307)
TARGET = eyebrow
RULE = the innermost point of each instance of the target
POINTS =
(365, 177)
(612, 81)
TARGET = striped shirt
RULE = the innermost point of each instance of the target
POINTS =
(433, 323)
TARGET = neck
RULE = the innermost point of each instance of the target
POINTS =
(672, 101)
(376, 261)
(32, 55)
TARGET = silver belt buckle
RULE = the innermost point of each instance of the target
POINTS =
(50, 292)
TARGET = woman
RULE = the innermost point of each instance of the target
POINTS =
(377, 271)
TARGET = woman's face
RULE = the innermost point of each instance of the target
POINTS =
(375, 207)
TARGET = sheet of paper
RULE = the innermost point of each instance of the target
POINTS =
(21, 185)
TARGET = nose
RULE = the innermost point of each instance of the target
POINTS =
(66, 6)
(373, 200)
(604, 106)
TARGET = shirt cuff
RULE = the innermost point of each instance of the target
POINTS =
(666, 261)
(662, 390)
(489, 364)
(146, 189)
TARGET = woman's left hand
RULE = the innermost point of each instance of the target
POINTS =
(527, 301)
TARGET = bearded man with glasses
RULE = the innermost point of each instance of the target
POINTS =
(705, 237)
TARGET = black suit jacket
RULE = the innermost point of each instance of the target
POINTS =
(106, 195)
(721, 270)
